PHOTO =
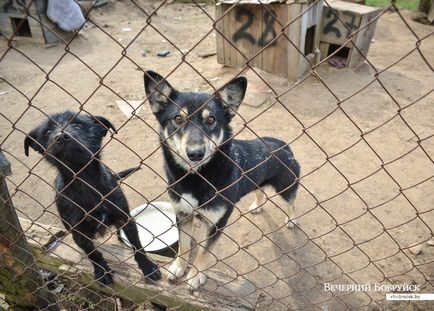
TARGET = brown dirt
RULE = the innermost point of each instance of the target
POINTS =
(351, 226)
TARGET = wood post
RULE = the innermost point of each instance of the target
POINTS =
(20, 280)
(424, 6)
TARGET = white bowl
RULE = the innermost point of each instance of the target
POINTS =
(156, 223)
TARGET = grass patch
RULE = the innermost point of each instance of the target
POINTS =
(401, 4)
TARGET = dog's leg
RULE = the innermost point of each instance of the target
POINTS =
(185, 228)
(290, 221)
(256, 206)
(103, 272)
(216, 219)
(150, 270)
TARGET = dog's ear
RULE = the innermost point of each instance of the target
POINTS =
(29, 141)
(232, 94)
(105, 124)
(157, 90)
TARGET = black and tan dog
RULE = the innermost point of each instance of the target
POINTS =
(89, 199)
(208, 171)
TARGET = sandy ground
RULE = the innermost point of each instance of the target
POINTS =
(365, 195)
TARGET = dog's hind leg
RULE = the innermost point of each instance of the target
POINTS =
(287, 189)
(149, 269)
(103, 272)
(290, 221)
(256, 206)
(185, 229)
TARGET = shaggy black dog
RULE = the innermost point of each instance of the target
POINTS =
(89, 199)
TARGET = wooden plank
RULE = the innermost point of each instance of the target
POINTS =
(52, 33)
(431, 13)
(303, 64)
(324, 49)
(236, 56)
(311, 18)
(294, 30)
(363, 39)
(280, 63)
(313, 13)
(269, 25)
(353, 7)
(219, 293)
(256, 32)
(5, 25)
(220, 41)
(229, 49)
(36, 29)
(244, 25)
(318, 10)
(20, 280)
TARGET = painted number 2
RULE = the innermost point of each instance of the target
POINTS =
(242, 32)
(331, 25)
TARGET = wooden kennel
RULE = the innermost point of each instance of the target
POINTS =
(337, 27)
(26, 20)
(275, 36)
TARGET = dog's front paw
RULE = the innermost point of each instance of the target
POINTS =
(105, 277)
(195, 279)
(291, 223)
(152, 272)
(176, 269)
(254, 209)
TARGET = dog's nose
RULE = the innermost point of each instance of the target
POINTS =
(62, 136)
(196, 154)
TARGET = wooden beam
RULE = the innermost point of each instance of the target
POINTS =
(431, 13)
(20, 281)
(67, 260)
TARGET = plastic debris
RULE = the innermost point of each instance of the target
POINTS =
(163, 53)
(128, 107)
(66, 14)
(207, 54)
(416, 250)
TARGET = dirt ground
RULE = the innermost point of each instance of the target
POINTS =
(364, 199)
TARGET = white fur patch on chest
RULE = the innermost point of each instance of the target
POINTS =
(186, 205)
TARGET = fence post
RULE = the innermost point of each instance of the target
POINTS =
(20, 280)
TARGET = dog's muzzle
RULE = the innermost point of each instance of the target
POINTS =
(196, 154)
(62, 137)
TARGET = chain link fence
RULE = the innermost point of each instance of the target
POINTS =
(363, 137)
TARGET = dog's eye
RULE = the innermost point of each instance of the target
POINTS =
(210, 120)
(178, 119)
(47, 132)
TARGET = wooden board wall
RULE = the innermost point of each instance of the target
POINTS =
(364, 38)
(304, 15)
(340, 20)
(42, 29)
(7, 28)
(262, 36)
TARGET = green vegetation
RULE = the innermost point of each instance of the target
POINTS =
(401, 4)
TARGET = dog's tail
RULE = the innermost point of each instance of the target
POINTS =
(127, 172)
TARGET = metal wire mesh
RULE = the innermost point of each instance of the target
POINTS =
(363, 138)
